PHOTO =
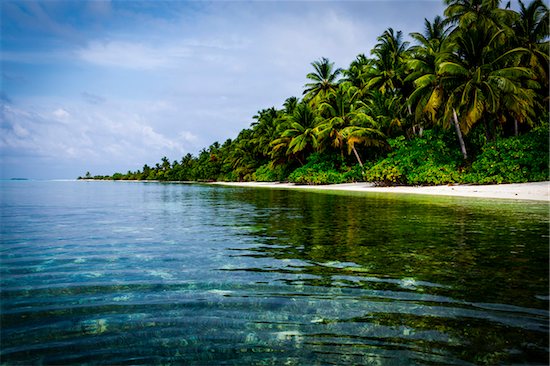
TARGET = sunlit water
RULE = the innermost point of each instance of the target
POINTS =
(135, 273)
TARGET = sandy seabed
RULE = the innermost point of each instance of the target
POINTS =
(537, 191)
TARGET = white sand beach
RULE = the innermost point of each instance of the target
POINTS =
(537, 191)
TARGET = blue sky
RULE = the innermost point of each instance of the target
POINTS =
(107, 86)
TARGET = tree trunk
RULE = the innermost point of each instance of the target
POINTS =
(459, 134)
(357, 156)
(515, 127)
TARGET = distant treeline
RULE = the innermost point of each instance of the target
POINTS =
(466, 102)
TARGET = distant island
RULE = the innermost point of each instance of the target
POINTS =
(467, 102)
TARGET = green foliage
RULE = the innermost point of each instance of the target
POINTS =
(320, 169)
(314, 175)
(422, 160)
(354, 174)
(431, 160)
(386, 172)
(481, 67)
(513, 160)
(267, 174)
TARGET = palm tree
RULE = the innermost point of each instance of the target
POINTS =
(357, 72)
(290, 104)
(241, 157)
(362, 135)
(323, 80)
(301, 137)
(387, 110)
(531, 32)
(389, 59)
(336, 109)
(347, 124)
(165, 164)
(476, 82)
(466, 14)
(427, 96)
(264, 130)
(434, 32)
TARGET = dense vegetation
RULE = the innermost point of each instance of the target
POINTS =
(466, 102)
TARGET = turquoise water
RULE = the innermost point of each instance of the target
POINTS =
(135, 273)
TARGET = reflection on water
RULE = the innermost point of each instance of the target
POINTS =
(115, 273)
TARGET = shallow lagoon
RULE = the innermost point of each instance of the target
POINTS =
(147, 273)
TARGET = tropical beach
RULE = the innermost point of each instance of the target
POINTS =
(535, 191)
(463, 102)
(274, 183)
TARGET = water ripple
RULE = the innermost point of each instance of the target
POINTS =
(186, 274)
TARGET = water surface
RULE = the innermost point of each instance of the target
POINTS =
(135, 273)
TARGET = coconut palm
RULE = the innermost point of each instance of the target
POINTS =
(241, 157)
(357, 72)
(337, 116)
(346, 123)
(466, 14)
(390, 53)
(387, 110)
(531, 32)
(427, 96)
(362, 135)
(264, 130)
(290, 104)
(476, 82)
(300, 138)
(323, 80)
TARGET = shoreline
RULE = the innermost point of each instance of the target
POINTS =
(533, 191)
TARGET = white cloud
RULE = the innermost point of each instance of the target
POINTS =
(60, 113)
(132, 55)
(168, 79)
(147, 54)
(187, 136)
(116, 136)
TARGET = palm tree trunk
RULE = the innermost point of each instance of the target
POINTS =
(357, 156)
(459, 134)
(515, 126)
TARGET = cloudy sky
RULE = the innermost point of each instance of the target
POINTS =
(107, 86)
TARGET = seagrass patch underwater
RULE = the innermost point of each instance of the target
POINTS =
(134, 273)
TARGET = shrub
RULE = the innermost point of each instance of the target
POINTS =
(265, 173)
(513, 160)
(311, 176)
(422, 160)
(320, 169)
(355, 173)
(386, 172)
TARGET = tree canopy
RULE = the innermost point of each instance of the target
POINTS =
(467, 81)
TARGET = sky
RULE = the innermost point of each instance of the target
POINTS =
(108, 86)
